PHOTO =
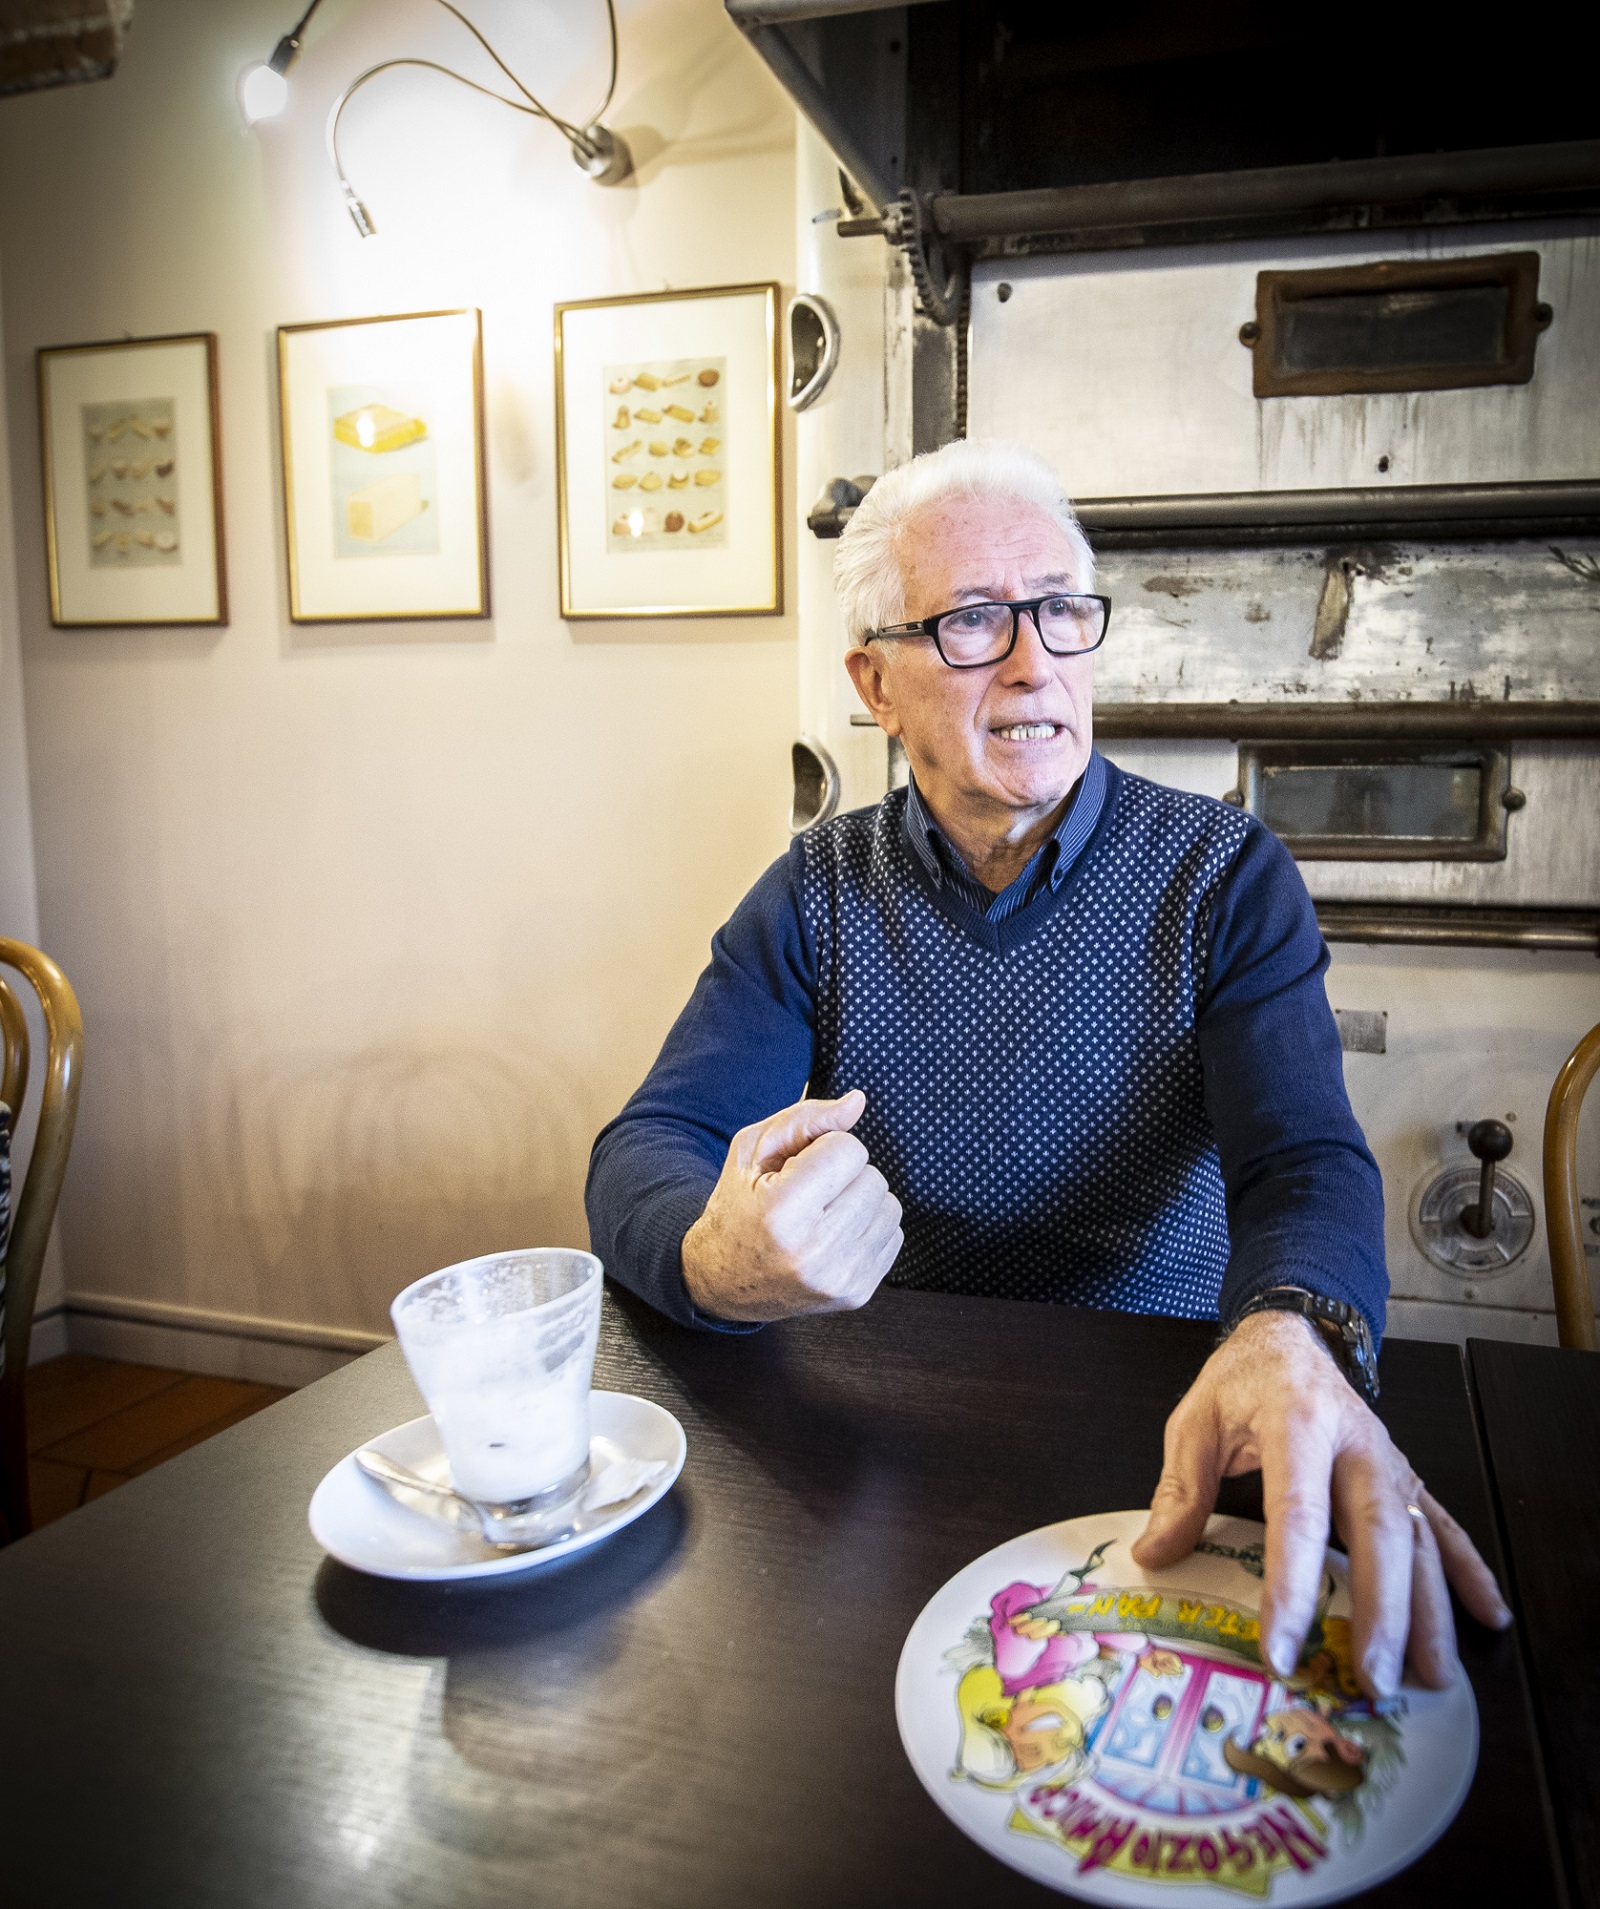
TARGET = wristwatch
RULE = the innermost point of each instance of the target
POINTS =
(1344, 1329)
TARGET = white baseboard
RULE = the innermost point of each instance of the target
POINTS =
(220, 1344)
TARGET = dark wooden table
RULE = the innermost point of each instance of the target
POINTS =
(1540, 1412)
(199, 1708)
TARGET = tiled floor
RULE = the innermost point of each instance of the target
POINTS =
(94, 1424)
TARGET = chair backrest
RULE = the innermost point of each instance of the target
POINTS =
(35, 1204)
(1563, 1217)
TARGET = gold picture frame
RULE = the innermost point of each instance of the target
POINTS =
(130, 446)
(669, 455)
(385, 476)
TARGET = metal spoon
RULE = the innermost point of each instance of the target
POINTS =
(379, 1466)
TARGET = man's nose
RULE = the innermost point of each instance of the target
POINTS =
(1029, 661)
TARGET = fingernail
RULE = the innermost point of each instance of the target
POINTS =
(1280, 1654)
(1383, 1672)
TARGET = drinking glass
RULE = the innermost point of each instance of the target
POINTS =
(502, 1349)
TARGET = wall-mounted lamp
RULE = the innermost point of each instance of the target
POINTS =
(597, 151)
(264, 87)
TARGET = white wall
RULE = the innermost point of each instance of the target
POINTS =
(19, 900)
(373, 926)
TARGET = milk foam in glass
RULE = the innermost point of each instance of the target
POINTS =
(502, 1348)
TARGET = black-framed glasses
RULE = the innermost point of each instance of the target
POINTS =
(975, 634)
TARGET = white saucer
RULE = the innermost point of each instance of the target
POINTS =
(362, 1525)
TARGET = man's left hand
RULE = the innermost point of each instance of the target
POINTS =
(1271, 1397)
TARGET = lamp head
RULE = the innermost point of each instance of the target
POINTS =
(263, 92)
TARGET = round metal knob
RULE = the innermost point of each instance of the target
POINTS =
(1490, 1141)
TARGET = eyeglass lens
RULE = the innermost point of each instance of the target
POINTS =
(981, 632)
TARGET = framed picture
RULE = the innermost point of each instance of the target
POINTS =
(383, 467)
(132, 458)
(667, 454)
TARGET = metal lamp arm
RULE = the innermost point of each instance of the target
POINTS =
(357, 210)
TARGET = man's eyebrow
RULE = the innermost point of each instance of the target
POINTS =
(993, 593)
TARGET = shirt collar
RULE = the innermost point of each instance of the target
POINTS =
(1065, 842)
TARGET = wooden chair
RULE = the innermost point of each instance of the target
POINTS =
(22, 1259)
(1563, 1217)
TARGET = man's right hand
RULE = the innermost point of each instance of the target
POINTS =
(800, 1220)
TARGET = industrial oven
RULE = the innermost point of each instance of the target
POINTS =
(1333, 424)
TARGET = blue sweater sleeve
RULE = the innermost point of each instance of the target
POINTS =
(739, 1051)
(1305, 1199)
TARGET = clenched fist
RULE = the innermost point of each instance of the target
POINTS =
(800, 1220)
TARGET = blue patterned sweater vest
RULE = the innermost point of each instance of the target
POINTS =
(1034, 1088)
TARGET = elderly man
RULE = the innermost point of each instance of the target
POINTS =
(1061, 1034)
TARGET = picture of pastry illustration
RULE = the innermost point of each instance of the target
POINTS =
(128, 451)
(381, 461)
(378, 428)
(382, 508)
(654, 446)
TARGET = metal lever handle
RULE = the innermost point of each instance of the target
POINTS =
(1490, 1142)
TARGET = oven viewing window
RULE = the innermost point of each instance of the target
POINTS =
(1394, 802)
(1399, 325)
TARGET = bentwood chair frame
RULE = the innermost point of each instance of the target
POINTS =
(1563, 1216)
(22, 1259)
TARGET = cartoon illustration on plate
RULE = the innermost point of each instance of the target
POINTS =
(1139, 1730)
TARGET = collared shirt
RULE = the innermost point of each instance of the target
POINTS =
(1048, 865)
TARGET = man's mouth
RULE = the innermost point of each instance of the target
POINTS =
(1028, 732)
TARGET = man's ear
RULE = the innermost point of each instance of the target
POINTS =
(871, 681)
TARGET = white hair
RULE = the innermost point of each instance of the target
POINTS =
(867, 568)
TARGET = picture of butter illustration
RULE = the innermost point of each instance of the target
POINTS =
(678, 481)
(627, 451)
(647, 381)
(620, 421)
(380, 510)
(712, 414)
(659, 447)
(646, 414)
(709, 446)
(682, 447)
(378, 427)
(681, 412)
(707, 520)
(651, 481)
(705, 479)
(624, 480)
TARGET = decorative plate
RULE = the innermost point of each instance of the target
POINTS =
(1114, 1733)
